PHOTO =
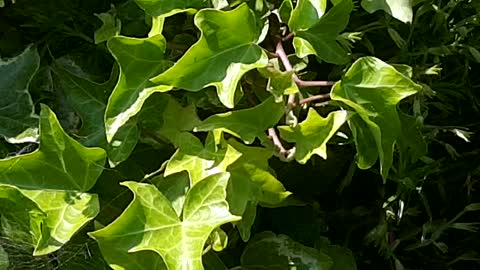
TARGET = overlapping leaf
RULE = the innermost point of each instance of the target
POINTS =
(373, 89)
(399, 9)
(251, 183)
(88, 99)
(139, 60)
(246, 124)
(60, 163)
(150, 223)
(280, 83)
(219, 58)
(18, 121)
(52, 180)
(200, 161)
(317, 33)
(311, 136)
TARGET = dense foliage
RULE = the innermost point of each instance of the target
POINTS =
(239, 134)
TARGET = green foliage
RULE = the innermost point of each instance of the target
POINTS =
(233, 132)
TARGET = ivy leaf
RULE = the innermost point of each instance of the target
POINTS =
(200, 161)
(321, 38)
(88, 99)
(60, 163)
(139, 60)
(306, 14)
(111, 26)
(219, 58)
(411, 144)
(246, 124)
(167, 8)
(19, 122)
(66, 213)
(150, 223)
(251, 183)
(278, 252)
(311, 136)
(373, 89)
(399, 9)
(280, 83)
(49, 183)
(170, 117)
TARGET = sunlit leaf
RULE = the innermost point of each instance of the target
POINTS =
(306, 14)
(150, 223)
(373, 89)
(320, 39)
(19, 123)
(219, 58)
(60, 163)
(167, 8)
(399, 9)
(246, 124)
(311, 136)
(139, 60)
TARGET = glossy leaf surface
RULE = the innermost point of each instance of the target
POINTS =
(219, 58)
(19, 122)
(150, 223)
(373, 90)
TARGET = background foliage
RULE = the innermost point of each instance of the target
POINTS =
(134, 134)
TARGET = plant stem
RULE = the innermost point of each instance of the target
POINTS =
(272, 134)
(288, 37)
(321, 97)
(280, 52)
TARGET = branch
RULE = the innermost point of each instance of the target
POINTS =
(302, 83)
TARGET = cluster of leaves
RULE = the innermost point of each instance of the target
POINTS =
(226, 134)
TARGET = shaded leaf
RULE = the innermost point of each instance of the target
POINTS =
(219, 58)
(150, 223)
(279, 252)
(279, 83)
(111, 26)
(373, 89)
(17, 115)
(246, 124)
(311, 136)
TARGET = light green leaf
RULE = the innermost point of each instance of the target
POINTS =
(49, 217)
(19, 122)
(311, 136)
(150, 223)
(88, 99)
(279, 83)
(174, 188)
(167, 8)
(246, 124)
(170, 118)
(321, 38)
(373, 89)
(306, 14)
(399, 9)
(111, 27)
(60, 163)
(279, 252)
(66, 213)
(200, 161)
(252, 183)
(219, 58)
(139, 60)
